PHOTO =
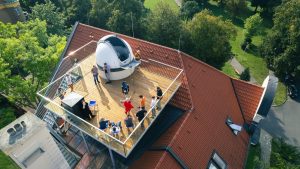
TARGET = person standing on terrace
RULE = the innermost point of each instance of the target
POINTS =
(159, 95)
(125, 88)
(128, 122)
(140, 115)
(127, 104)
(153, 108)
(143, 102)
(106, 69)
(69, 82)
(95, 74)
(137, 55)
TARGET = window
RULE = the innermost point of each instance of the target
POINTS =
(216, 162)
(234, 127)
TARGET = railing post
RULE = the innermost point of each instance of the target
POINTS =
(112, 158)
(84, 141)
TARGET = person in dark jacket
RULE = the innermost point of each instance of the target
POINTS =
(140, 115)
(129, 122)
(159, 95)
(125, 88)
(86, 112)
(103, 124)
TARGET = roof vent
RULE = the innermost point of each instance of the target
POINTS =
(234, 127)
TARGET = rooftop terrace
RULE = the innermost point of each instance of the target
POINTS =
(144, 80)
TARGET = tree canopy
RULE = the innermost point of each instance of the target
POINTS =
(28, 56)
(253, 25)
(189, 9)
(281, 47)
(119, 16)
(210, 36)
(164, 25)
(55, 20)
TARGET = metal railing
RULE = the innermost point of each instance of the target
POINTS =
(51, 100)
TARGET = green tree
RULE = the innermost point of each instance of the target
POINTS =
(189, 9)
(27, 58)
(235, 7)
(119, 16)
(164, 25)
(99, 13)
(210, 36)
(74, 10)
(281, 47)
(253, 25)
(245, 75)
(55, 20)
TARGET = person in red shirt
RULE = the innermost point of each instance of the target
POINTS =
(128, 106)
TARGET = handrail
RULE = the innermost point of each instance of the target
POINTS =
(79, 118)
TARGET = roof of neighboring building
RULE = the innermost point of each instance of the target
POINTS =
(207, 95)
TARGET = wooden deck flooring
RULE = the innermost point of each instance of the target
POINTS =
(143, 81)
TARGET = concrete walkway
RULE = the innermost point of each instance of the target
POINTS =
(239, 68)
(178, 2)
(283, 122)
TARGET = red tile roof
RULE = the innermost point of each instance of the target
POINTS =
(248, 96)
(208, 95)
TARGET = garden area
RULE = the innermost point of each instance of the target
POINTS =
(249, 59)
(283, 155)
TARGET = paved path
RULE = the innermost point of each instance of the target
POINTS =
(239, 68)
(284, 122)
(178, 2)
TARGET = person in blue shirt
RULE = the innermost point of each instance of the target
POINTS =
(125, 88)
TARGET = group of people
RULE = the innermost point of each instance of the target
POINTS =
(95, 72)
(116, 128)
(154, 105)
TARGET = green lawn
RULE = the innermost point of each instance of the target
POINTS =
(6, 162)
(253, 156)
(251, 58)
(150, 4)
(229, 70)
(6, 117)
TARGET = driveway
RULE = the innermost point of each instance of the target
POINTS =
(284, 122)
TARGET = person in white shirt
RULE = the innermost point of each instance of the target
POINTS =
(69, 82)
(152, 105)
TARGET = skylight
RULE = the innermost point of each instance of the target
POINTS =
(216, 162)
(234, 127)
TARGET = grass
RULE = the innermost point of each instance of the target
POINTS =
(150, 4)
(229, 70)
(6, 162)
(253, 155)
(6, 116)
(281, 94)
(252, 59)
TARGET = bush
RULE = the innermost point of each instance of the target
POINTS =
(6, 116)
(245, 75)
(284, 155)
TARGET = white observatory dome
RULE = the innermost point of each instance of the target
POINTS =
(118, 54)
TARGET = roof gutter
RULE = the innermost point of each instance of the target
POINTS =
(172, 153)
